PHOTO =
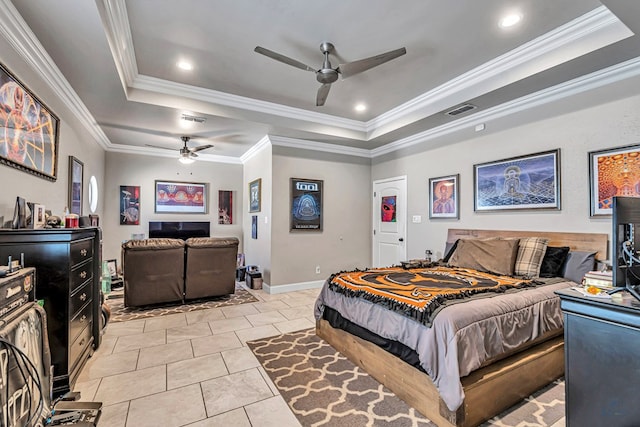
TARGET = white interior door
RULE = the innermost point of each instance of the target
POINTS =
(389, 221)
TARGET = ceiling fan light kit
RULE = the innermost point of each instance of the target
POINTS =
(328, 75)
(187, 155)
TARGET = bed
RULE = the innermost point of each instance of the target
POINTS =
(484, 387)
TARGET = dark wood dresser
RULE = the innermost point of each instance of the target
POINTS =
(602, 360)
(67, 263)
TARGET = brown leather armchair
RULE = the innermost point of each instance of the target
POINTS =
(210, 266)
(153, 271)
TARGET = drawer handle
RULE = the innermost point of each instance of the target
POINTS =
(83, 297)
(83, 252)
(83, 274)
(81, 343)
(83, 318)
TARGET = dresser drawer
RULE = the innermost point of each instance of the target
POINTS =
(80, 275)
(80, 298)
(78, 346)
(78, 323)
(81, 251)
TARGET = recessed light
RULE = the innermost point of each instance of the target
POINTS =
(510, 20)
(360, 107)
(184, 65)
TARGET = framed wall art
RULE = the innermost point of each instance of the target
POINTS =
(613, 172)
(225, 207)
(28, 130)
(306, 205)
(181, 197)
(255, 194)
(525, 182)
(444, 198)
(76, 171)
(129, 205)
(254, 226)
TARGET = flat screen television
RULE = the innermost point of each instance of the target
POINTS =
(626, 244)
(179, 229)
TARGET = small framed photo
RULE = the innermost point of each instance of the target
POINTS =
(112, 265)
(38, 217)
(613, 172)
(76, 171)
(94, 220)
(525, 182)
(255, 194)
(444, 197)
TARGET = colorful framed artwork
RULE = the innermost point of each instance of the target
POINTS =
(525, 182)
(180, 197)
(388, 209)
(444, 197)
(306, 205)
(76, 171)
(129, 205)
(254, 226)
(613, 172)
(225, 207)
(28, 130)
(255, 194)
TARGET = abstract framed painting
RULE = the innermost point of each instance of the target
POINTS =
(613, 172)
(181, 197)
(306, 205)
(255, 193)
(129, 205)
(524, 182)
(76, 172)
(225, 207)
(28, 130)
(444, 198)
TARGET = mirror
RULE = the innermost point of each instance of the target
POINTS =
(93, 194)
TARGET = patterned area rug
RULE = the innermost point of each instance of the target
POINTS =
(323, 388)
(120, 313)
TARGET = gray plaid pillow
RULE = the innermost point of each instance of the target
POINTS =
(530, 255)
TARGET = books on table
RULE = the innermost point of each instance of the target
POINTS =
(601, 279)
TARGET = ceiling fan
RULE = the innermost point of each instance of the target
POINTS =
(326, 74)
(187, 155)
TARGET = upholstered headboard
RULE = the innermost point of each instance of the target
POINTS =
(576, 241)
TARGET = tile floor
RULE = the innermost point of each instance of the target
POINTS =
(194, 369)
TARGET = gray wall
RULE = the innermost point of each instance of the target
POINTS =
(610, 125)
(258, 251)
(143, 171)
(74, 140)
(344, 243)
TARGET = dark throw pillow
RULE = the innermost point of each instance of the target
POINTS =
(553, 261)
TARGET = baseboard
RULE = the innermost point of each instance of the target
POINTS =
(290, 287)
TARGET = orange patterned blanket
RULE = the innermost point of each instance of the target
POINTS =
(420, 293)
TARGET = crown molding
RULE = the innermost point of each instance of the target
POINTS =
(319, 146)
(115, 21)
(16, 31)
(597, 79)
(255, 149)
(584, 34)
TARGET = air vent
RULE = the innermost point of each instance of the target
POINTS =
(462, 108)
(193, 118)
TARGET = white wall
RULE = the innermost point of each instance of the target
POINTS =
(74, 140)
(143, 171)
(606, 126)
(345, 241)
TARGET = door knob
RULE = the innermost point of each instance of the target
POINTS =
(401, 239)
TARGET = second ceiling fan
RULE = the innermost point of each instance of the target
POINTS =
(326, 74)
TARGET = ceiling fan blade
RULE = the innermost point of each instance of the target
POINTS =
(157, 146)
(278, 57)
(351, 68)
(323, 91)
(201, 147)
(192, 154)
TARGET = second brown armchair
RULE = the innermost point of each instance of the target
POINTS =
(210, 268)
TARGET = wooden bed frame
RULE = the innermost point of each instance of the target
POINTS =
(488, 391)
